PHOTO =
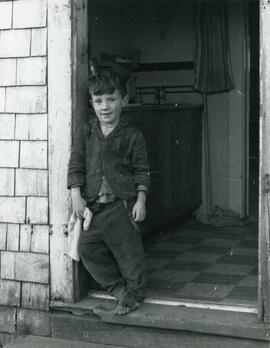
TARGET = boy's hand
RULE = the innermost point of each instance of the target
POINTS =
(139, 211)
(78, 203)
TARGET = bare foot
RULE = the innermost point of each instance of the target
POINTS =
(122, 310)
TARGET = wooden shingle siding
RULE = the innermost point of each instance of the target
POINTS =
(5, 15)
(7, 126)
(15, 43)
(33, 154)
(13, 235)
(40, 239)
(7, 319)
(31, 127)
(39, 42)
(37, 210)
(10, 293)
(7, 72)
(29, 99)
(9, 153)
(31, 71)
(35, 296)
(28, 267)
(29, 13)
(7, 265)
(3, 236)
(26, 237)
(2, 99)
(12, 209)
(33, 321)
(31, 182)
(7, 181)
(24, 220)
(34, 238)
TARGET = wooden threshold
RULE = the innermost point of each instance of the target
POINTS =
(241, 308)
(181, 317)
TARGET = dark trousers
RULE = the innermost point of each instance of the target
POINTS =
(112, 252)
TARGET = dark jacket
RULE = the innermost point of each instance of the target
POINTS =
(121, 157)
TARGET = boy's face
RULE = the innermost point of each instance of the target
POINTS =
(108, 107)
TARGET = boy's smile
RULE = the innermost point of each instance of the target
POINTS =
(108, 107)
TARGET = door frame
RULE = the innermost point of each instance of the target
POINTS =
(264, 171)
(64, 100)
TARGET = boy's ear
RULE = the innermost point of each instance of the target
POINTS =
(125, 100)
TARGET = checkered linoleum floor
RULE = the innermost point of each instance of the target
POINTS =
(204, 263)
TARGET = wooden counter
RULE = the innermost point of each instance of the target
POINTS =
(174, 141)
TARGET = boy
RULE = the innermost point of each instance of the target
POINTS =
(109, 173)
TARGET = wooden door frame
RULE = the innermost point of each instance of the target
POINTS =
(59, 145)
(80, 108)
(246, 116)
(63, 93)
(67, 93)
(264, 181)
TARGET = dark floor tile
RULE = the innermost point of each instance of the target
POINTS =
(226, 268)
(193, 256)
(220, 242)
(188, 266)
(248, 244)
(156, 263)
(211, 249)
(175, 247)
(164, 285)
(162, 294)
(254, 271)
(230, 236)
(250, 280)
(197, 234)
(244, 293)
(174, 275)
(253, 238)
(178, 238)
(238, 259)
(150, 271)
(245, 251)
(216, 278)
(160, 253)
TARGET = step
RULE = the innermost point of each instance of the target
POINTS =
(153, 325)
(48, 342)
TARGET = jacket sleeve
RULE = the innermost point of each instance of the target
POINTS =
(76, 167)
(140, 164)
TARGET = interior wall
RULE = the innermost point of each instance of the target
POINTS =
(109, 27)
(169, 27)
(237, 113)
(227, 121)
(218, 113)
(161, 31)
(166, 34)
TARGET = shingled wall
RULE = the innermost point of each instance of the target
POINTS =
(24, 228)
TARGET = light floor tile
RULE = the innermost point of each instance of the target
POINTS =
(201, 290)
(224, 268)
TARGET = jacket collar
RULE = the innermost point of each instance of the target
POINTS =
(95, 128)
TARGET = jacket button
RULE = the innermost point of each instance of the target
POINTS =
(98, 171)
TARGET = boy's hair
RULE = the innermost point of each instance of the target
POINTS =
(106, 82)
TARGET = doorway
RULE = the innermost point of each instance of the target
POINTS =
(186, 260)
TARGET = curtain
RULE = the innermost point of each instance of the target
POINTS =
(212, 74)
(212, 66)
